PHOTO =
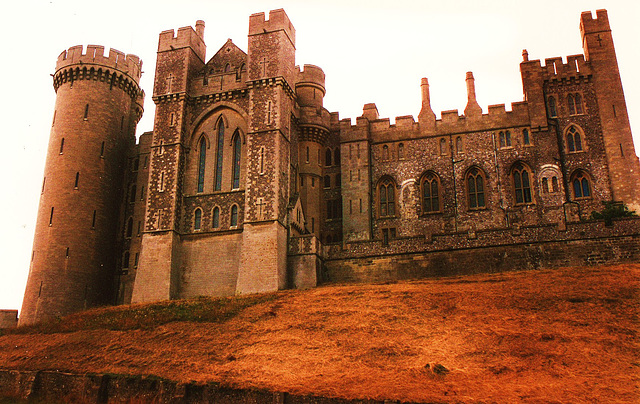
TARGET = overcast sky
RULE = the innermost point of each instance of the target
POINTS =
(371, 51)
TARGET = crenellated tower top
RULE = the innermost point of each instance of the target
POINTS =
(129, 64)
(278, 21)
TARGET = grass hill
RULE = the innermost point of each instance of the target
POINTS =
(565, 335)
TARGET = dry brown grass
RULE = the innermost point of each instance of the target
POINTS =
(566, 335)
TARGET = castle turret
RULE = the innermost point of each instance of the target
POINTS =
(314, 131)
(98, 104)
(600, 53)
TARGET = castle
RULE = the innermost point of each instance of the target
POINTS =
(248, 184)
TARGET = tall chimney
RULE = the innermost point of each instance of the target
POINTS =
(426, 118)
(472, 109)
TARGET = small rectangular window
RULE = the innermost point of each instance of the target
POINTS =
(139, 226)
(385, 236)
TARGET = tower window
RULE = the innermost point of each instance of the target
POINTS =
(197, 220)
(459, 146)
(327, 157)
(386, 195)
(102, 150)
(336, 159)
(61, 145)
(201, 164)
(67, 253)
(581, 186)
(219, 156)
(44, 180)
(234, 215)
(553, 111)
(216, 218)
(51, 217)
(75, 184)
(93, 220)
(86, 112)
(574, 140)
(237, 154)
(443, 147)
(327, 181)
(401, 151)
(525, 137)
(132, 194)
(125, 259)
(129, 231)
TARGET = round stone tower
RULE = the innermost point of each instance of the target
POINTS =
(98, 104)
(314, 131)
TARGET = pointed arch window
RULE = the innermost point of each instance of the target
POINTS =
(443, 147)
(430, 193)
(387, 197)
(234, 215)
(581, 185)
(553, 110)
(401, 151)
(202, 163)
(215, 221)
(574, 139)
(579, 109)
(219, 156)
(475, 189)
(525, 137)
(385, 152)
(237, 154)
(522, 184)
(197, 219)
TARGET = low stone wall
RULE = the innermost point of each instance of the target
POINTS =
(584, 243)
(57, 387)
(8, 318)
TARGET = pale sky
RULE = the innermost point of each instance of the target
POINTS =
(371, 51)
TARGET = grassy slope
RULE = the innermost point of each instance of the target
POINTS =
(567, 335)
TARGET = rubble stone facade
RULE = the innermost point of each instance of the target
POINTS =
(248, 184)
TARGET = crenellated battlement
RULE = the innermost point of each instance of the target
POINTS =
(278, 21)
(555, 69)
(129, 64)
(588, 24)
(311, 75)
(187, 37)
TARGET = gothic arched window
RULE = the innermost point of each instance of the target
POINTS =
(219, 155)
(197, 219)
(201, 164)
(581, 185)
(574, 139)
(237, 154)
(386, 196)
(430, 193)
(522, 184)
(475, 188)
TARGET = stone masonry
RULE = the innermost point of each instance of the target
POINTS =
(247, 183)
